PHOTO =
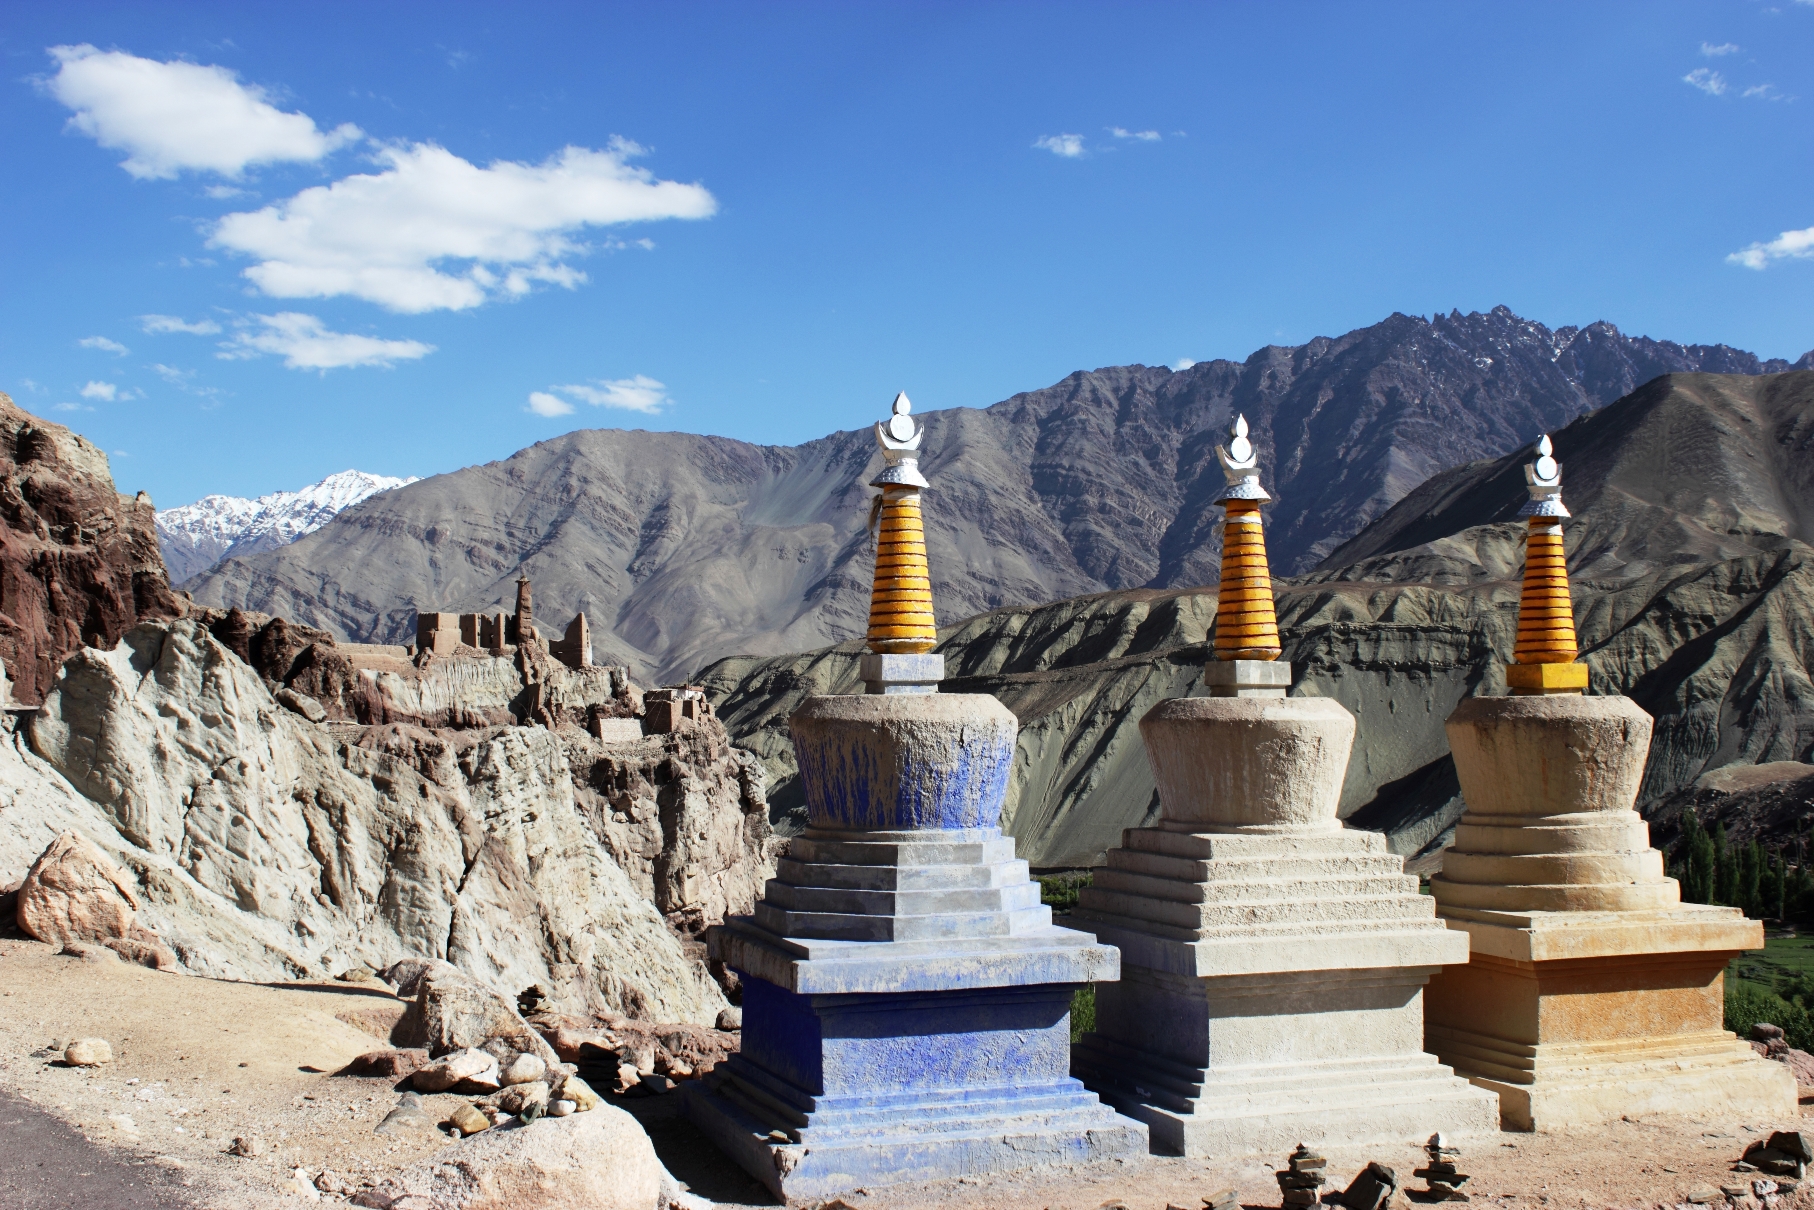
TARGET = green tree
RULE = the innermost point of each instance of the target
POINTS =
(1748, 894)
(1725, 869)
(1693, 861)
(1775, 882)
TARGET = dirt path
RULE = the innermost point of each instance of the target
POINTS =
(199, 1062)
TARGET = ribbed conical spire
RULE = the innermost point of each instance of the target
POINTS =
(900, 604)
(1543, 659)
(1247, 626)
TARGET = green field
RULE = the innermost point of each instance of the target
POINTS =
(1784, 967)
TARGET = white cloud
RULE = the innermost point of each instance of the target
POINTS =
(159, 325)
(169, 117)
(638, 394)
(306, 344)
(223, 193)
(100, 390)
(1796, 244)
(70, 407)
(172, 375)
(1145, 136)
(103, 344)
(1714, 52)
(1183, 363)
(1707, 80)
(1069, 146)
(388, 236)
(544, 404)
(1766, 92)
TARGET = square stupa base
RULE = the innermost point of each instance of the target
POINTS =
(1271, 993)
(833, 1092)
(1259, 1063)
(1575, 1018)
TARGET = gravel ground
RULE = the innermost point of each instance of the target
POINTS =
(198, 1062)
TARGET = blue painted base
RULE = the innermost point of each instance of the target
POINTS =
(836, 1091)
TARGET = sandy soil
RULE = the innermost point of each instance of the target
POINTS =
(199, 1062)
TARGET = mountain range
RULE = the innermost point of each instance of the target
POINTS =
(683, 549)
(1693, 503)
(194, 537)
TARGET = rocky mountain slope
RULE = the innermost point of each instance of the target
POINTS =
(1694, 594)
(682, 549)
(78, 561)
(194, 537)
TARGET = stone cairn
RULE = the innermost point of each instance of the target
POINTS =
(906, 997)
(1444, 1178)
(1272, 961)
(1592, 992)
(1301, 1177)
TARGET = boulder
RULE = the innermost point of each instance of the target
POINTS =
(389, 1064)
(523, 1069)
(74, 893)
(88, 1052)
(519, 1098)
(455, 1012)
(462, 1068)
(590, 1161)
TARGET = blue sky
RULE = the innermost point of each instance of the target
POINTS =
(411, 237)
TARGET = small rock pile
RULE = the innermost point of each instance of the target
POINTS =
(1372, 1189)
(1785, 1155)
(1301, 1177)
(639, 1057)
(1444, 1178)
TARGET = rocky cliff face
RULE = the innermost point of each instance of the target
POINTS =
(266, 846)
(685, 815)
(79, 562)
(683, 549)
(1700, 481)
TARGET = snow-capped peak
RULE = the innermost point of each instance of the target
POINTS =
(197, 536)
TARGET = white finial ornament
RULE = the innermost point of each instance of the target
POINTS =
(899, 436)
(1544, 478)
(1241, 464)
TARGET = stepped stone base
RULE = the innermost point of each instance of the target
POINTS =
(1575, 1018)
(906, 1016)
(872, 1089)
(1320, 1057)
(1271, 993)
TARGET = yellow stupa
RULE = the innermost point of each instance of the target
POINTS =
(900, 603)
(1544, 657)
(1247, 624)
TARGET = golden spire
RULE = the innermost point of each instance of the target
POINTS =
(900, 605)
(1543, 660)
(1247, 626)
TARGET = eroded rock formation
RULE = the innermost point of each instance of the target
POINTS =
(265, 846)
(79, 562)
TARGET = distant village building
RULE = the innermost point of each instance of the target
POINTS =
(664, 708)
(439, 633)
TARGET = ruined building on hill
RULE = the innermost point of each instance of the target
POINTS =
(442, 633)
